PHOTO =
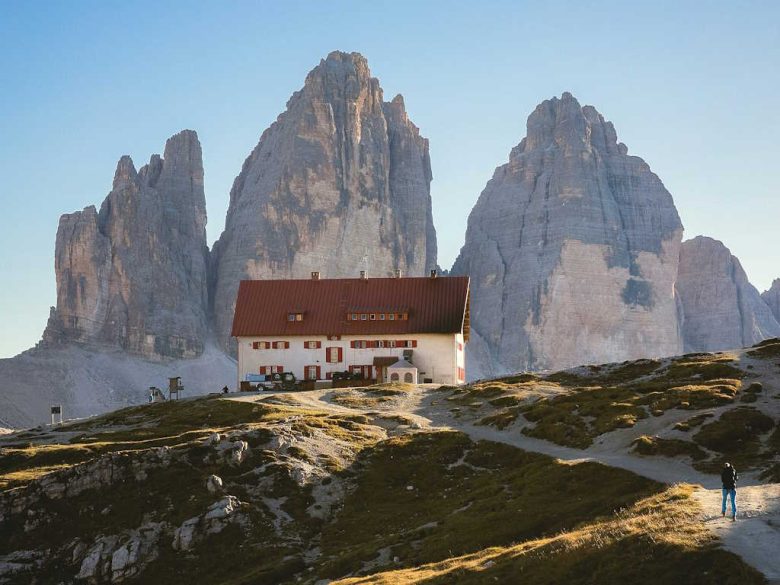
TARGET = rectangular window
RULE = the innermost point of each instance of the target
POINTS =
(372, 316)
(333, 355)
(391, 316)
(354, 317)
(390, 343)
(261, 345)
(281, 345)
(312, 344)
(312, 372)
(381, 316)
(363, 317)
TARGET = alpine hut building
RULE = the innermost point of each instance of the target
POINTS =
(378, 329)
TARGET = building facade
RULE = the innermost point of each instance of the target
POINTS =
(319, 328)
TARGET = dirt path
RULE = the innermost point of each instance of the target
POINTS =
(755, 536)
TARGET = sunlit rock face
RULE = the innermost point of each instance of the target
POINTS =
(721, 309)
(572, 249)
(134, 274)
(338, 184)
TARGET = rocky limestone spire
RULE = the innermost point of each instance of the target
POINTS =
(338, 184)
(134, 275)
(772, 298)
(572, 249)
(721, 309)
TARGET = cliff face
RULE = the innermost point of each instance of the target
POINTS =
(134, 275)
(573, 249)
(339, 183)
(772, 298)
(721, 309)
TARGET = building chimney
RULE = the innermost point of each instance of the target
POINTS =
(433, 274)
(397, 273)
(363, 275)
(315, 275)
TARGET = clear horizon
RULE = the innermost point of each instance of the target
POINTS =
(690, 90)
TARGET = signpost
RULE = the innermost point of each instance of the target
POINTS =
(56, 414)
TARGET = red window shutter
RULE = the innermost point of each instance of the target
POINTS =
(319, 344)
(328, 375)
(414, 343)
(352, 343)
(319, 373)
(400, 343)
(340, 355)
(261, 370)
(375, 344)
(286, 345)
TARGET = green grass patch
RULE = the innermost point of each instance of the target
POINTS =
(735, 437)
(658, 447)
(464, 496)
(660, 539)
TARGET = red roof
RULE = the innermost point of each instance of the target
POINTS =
(434, 305)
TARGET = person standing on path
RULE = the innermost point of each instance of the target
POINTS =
(729, 479)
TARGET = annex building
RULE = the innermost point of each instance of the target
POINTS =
(378, 329)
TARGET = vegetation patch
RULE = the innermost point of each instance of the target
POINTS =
(767, 349)
(693, 422)
(656, 446)
(735, 437)
(659, 539)
(434, 495)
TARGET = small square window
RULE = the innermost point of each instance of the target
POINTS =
(372, 316)
(391, 316)
(381, 316)
(363, 317)
(354, 317)
(291, 316)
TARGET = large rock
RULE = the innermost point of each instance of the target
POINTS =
(721, 309)
(772, 298)
(134, 275)
(338, 184)
(572, 249)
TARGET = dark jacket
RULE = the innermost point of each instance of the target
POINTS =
(729, 478)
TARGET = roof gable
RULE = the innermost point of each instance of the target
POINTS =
(434, 305)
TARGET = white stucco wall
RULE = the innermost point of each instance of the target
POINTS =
(437, 356)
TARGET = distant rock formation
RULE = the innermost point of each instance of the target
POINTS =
(134, 275)
(338, 184)
(721, 309)
(572, 249)
(772, 298)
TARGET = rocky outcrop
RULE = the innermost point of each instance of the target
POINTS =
(572, 249)
(338, 184)
(721, 309)
(772, 298)
(134, 275)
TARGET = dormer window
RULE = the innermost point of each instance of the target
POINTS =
(292, 317)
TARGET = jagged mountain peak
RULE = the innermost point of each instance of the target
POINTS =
(339, 183)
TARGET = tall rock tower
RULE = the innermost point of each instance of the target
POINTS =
(572, 249)
(134, 275)
(772, 298)
(721, 309)
(338, 184)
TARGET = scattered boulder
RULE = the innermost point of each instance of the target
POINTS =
(214, 484)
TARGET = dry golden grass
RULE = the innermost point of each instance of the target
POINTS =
(650, 542)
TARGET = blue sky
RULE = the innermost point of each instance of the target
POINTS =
(692, 87)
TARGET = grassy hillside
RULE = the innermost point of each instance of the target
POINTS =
(709, 408)
(306, 493)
